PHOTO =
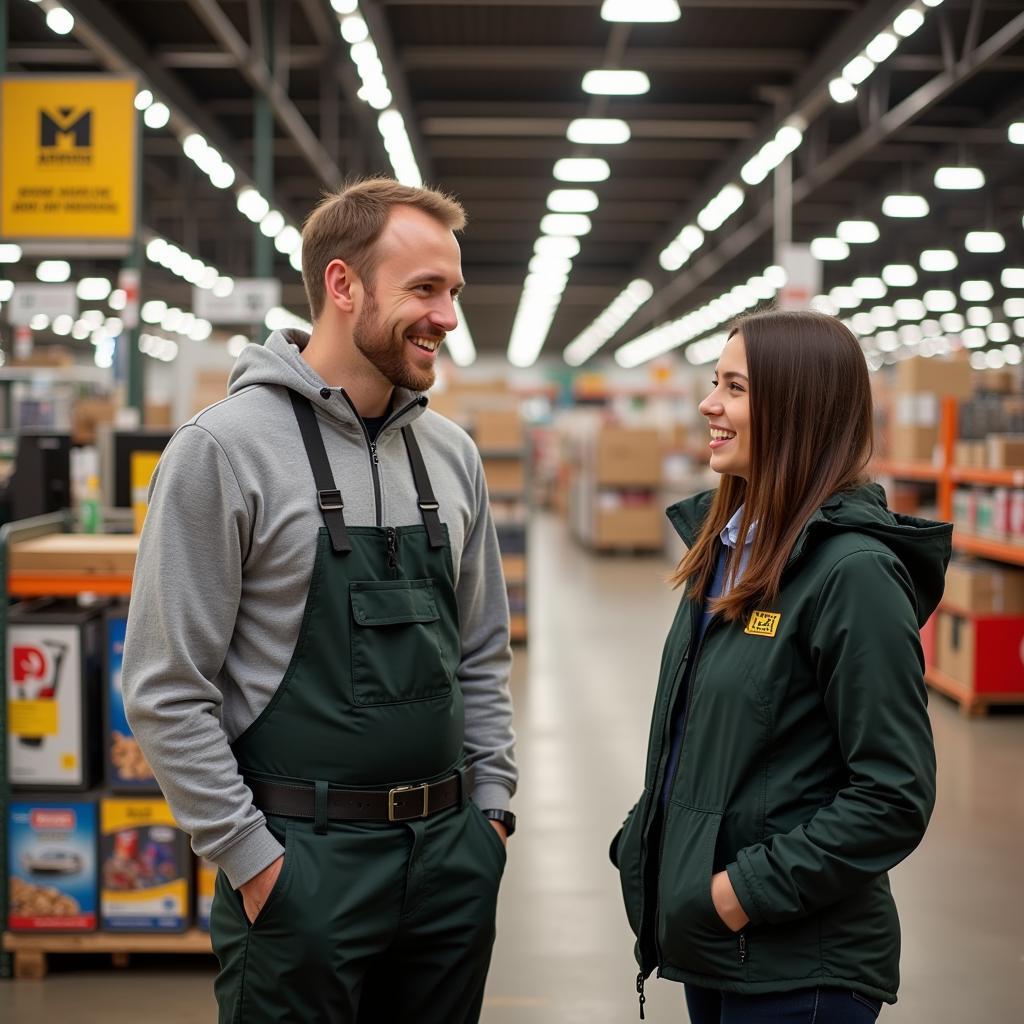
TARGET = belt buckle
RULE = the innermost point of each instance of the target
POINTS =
(407, 789)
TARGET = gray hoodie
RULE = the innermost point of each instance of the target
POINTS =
(224, 564)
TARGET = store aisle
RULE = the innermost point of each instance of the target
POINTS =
(583, 690)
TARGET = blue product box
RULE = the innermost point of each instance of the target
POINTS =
(52, 883)
(127, 768)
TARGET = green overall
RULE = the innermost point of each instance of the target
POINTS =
(370, 921)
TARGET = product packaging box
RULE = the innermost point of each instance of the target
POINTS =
(638, 527)
(1005, 451)
(51, 851)
(85, 554)
(505, 476)
(206, 879)
(937, 376)
(498, 430)
(982, 652)
(628, 457)
(145, 867)
(127, 768)
(984, 589)
(53, 683)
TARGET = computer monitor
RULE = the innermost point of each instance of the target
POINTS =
(122, 444)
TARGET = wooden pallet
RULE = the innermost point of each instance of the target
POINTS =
(972, 704)
(30, 950)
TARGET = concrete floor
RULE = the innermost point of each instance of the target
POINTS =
(564, 954)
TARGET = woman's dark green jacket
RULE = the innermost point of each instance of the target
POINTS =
(807, 767)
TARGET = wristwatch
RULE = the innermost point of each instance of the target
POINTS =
(507, 818)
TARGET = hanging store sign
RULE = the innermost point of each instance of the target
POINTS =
(251, 299)
(67, 169)
(803, 276)
(29, 300)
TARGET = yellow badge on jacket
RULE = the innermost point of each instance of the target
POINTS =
(763, 623)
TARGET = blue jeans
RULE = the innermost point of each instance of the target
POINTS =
(806, 1006)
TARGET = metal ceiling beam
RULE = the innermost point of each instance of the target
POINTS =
(258, 75)
(681, 60)
(735, 241)
(188, 57)
(119, 49)
(548, 127)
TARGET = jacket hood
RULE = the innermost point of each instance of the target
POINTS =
(922, 545)
(279, 361)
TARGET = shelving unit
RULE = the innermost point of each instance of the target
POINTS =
(945, 475)
(24, 954)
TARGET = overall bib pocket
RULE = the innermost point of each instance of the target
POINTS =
(396, 653)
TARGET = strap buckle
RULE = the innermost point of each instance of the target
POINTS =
(330, 500)
(429, 506)
(392, 793)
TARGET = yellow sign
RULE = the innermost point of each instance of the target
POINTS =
(143, 465)
(763, 623)
(67, 169)
(118, 814)
(32, 717)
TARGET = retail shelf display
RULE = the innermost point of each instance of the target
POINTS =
(981, 681)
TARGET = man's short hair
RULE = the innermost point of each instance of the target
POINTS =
(346, 225)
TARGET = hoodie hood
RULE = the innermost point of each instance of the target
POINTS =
(279, 362)
(922, 545)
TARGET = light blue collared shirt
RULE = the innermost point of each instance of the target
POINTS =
(730, 536)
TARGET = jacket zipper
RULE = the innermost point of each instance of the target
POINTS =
(694, 661)
(743, 948)
(371, 446)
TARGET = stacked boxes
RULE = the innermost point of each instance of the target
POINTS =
(52, 866)
(145, 867)
(920, 386)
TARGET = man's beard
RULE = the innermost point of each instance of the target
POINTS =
(386, 352)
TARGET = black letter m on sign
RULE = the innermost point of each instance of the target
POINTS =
(63, 123)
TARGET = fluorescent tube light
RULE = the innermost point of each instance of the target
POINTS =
(598, 131)
(905, 206)
(938, 260)
(899, 275)
(829, 249)
(984, 241)
(960, 178)
(857, 231)
(572, 200)
(641, 10)
(582, 169)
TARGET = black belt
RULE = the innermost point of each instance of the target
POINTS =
(400, 803)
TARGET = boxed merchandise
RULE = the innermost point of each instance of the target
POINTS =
(206, 880)
(1005, 451)
(986, 589)
(629, 527)
(912, 442)
(982, 652)
(505, 476)
(145, 867)
(127, 768)
(53, 685)
(628, 457)
(498, 430)
(936, 376)
(79, 553)
(51, 856)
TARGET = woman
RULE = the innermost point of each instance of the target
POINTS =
(791, 762)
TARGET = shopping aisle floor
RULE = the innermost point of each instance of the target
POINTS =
(583, 689)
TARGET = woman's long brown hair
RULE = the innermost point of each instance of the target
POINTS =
(810, 437)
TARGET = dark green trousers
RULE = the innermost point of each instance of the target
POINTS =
(368, 924)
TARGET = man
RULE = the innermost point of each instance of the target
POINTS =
(317, 655)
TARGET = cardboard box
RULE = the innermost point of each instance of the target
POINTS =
(79, 553)
(912, 443)
(52, 867)
(87, 415)
(628, 457)
(1005, 451)
(53, 690)
(505, 476)
(498, 430)
(938, 376)
(626, 527)
(127, 768)
(982, 652)
(145, 868)
(984, 589)
(206, 882)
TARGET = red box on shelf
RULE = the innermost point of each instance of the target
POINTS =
(928, 641)
(984, 652)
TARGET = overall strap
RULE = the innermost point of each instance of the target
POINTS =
(425, 493)
(327, 495)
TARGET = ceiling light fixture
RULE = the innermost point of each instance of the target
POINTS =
(641, 10)
(959, 178)
(598, 131)
(605, 82)
(578, 169)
